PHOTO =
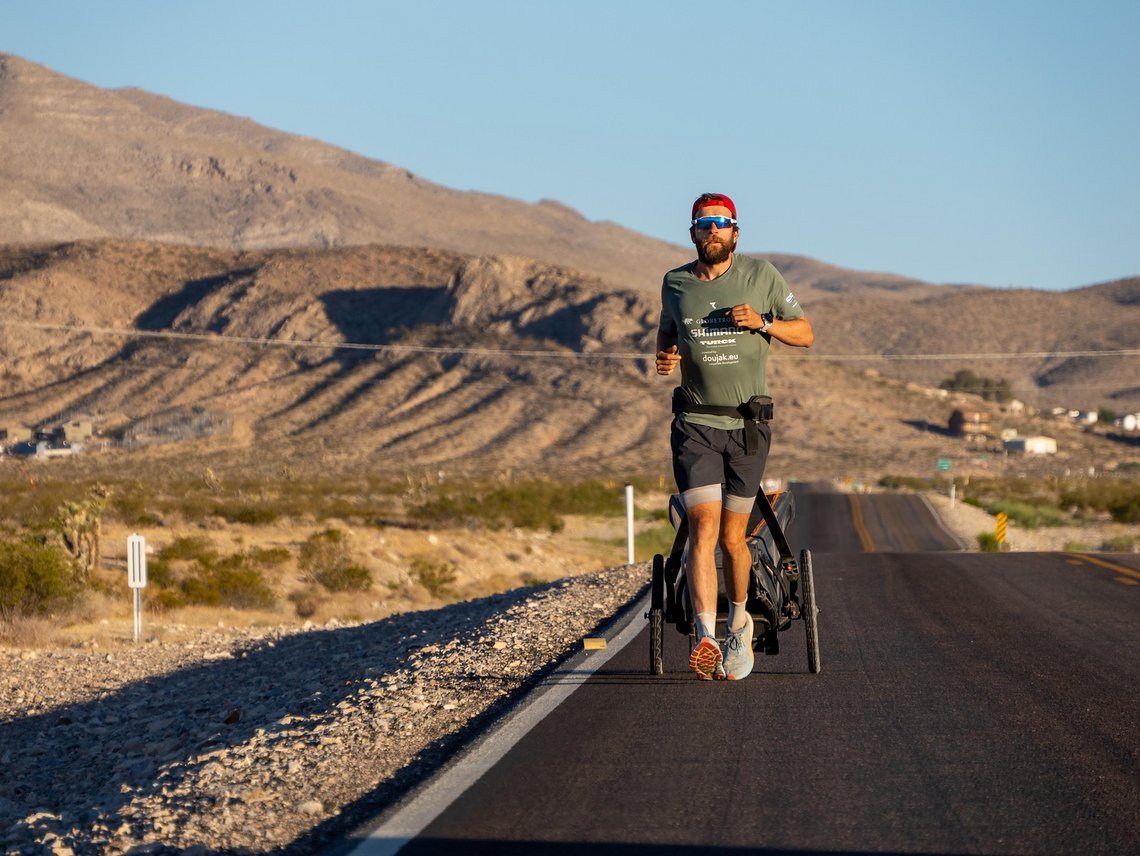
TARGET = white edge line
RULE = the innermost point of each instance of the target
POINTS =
(411, 817)
(962, 546)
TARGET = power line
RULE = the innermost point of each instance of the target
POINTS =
(514, 352)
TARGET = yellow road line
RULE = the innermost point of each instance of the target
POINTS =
(1104, 563)
(860, 527)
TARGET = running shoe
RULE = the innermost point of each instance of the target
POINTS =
(706, 660)
(738, 656)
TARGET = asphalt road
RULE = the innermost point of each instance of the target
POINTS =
(968, 703)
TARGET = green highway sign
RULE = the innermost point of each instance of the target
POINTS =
(944, 464)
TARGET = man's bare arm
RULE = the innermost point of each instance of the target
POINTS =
(796, 332)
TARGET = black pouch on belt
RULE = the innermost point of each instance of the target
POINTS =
(755, 410)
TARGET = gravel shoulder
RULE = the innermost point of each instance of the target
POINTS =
(269, 741)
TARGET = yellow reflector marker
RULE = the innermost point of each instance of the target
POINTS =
(594, 643)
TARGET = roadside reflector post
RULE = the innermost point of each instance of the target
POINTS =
(629, 523)
(136, 576)
(953, 490)
(999, 529)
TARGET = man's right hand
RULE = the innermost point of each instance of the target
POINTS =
(667, 360)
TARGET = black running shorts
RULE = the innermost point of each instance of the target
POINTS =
(709, 456)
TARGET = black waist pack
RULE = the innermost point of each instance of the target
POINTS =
(755, 410)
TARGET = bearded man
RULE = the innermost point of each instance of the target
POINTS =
(718, 317)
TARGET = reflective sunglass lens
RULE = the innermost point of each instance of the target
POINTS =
(705, 223)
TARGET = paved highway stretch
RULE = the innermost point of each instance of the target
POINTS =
(968, 703)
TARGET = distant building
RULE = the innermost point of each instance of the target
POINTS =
(1031, 445)
(970, 423)
(78, 431)
(1086, 417)
(11, 432)
(1129, 421)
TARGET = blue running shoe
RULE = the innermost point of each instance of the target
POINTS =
(738, 656)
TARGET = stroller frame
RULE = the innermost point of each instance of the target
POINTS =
(780, 588)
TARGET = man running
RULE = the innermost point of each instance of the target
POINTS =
(718, 317)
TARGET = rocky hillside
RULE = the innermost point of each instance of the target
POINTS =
(423, 358)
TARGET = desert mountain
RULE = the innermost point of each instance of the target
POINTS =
(405, 357)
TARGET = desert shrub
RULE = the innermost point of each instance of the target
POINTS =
(1119, 498)
(1126, 509)
(991, 389)
(436, 577)
(327, 559)
(190, 548)
(1075, 547)
(1027, 514)
(534, 504)
(656, 539)
(345, 578)
(247, 513)
(35, 579)
(269, 557)
(159, 572)
(228, 582)
(133, 508)
(1120, 544)
(988, 542)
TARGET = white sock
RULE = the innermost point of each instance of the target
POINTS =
(706, 624)
(737, 615)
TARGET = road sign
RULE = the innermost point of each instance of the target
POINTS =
(136, 576)
(1002, 520)
(944, 465)
(136, 562)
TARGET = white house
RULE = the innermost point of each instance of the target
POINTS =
(1031, 445)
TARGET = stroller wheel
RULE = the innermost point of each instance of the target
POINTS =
(809, 611)
(657, 617)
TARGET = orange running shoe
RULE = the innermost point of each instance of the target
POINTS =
(705, 660)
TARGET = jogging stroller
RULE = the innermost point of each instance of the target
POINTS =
(780, 589)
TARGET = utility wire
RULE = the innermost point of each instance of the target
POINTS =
(512, 352)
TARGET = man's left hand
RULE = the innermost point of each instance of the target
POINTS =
(747, 317)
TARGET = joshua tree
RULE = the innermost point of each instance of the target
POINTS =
(80, 524)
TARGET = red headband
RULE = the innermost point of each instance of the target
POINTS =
(708, 200)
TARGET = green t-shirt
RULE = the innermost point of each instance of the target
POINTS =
(722, 364)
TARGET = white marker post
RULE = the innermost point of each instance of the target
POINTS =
(629, 522)
(136, 576)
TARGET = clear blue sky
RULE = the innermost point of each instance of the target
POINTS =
(987, 142)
